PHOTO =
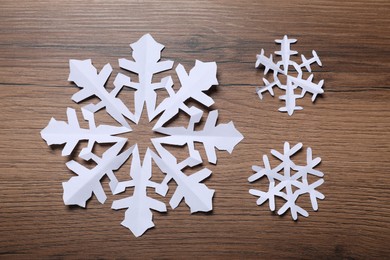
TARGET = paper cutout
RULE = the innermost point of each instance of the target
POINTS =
(223, 136)
(79, 189)
(200, 78)
(146, 54)
(293, 177)
(138, 216)
(196, 195)
(292, 82)
(85, 76)
(60, 132)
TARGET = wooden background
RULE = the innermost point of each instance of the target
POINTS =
(348, 126)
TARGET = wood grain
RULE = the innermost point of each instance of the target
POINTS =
(348, 126)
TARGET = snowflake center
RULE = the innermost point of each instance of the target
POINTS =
(283, 78)
(142, 134)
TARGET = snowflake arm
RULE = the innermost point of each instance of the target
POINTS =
(307, 85)
(271, 174)
(196, 195)
(289, 98)
(307, 62)
(221, 137)
(309, 167)
(285, 52)
(303, 171)
(138, 216)
(201, 77)
(268, 63)
(147, 53)
(60, 132)
(85, 76)
(77, 190)
(267, 87)
(294, 209)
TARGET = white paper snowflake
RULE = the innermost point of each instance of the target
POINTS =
(292, 82)
(146, 54)
(294, 177)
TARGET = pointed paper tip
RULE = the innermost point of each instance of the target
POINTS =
(79, 67)
(144, 40)
(257, 64)
(74, 63)
(68, 199)
(44, 131)
(137, 230)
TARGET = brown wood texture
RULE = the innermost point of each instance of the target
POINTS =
(348, 127)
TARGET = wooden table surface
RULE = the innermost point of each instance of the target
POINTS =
(348, 127)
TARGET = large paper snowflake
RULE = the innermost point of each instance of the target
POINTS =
(146, 54)
(290, 184)
(285, 80)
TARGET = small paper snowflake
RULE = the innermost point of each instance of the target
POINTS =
(146, 54)
(291, 82)
(294, 177)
